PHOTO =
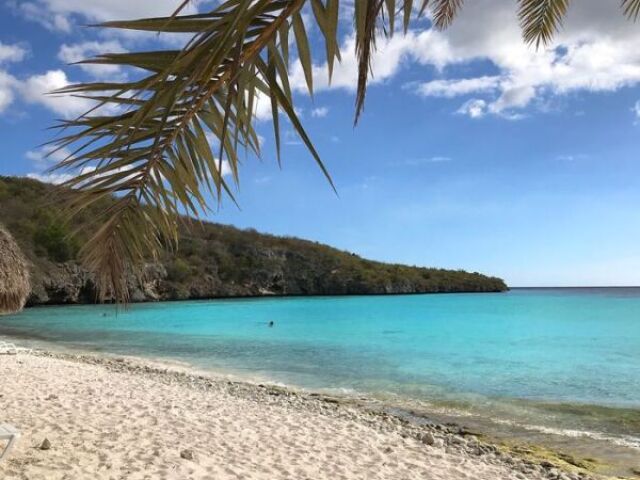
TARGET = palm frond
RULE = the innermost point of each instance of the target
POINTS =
(153, 154)
(444, 11)
(367, 12)
(541, 19)
(631, 8)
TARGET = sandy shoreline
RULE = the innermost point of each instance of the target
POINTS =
(116, 418)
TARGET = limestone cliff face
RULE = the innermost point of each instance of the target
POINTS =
(283, 273)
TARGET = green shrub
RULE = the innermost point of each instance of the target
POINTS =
(235, 257)
(178, 270)
(53, 239)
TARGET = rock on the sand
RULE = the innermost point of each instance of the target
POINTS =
(45, 445)
(427, 439)
(187, 454)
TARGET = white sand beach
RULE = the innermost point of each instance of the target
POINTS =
(131, 419)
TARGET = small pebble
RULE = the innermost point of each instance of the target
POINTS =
(187, 454)
(427, 439)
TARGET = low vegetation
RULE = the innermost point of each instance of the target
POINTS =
(213, 260)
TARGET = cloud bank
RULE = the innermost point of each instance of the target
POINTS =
(598, 50)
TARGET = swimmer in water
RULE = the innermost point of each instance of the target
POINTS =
(270, 323)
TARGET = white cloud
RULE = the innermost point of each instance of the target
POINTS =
(434, 159)
(12, 52)
(8, 84)
(426, 47)
(456, 87)
(100, 10)
(58, 15)
(51, 177)
(386, 62)
(58, 177)
(226, 168)
(262, 106)
(320, 112)
(636, 109)
(214, 144)
(598, 50)
(263, 180)
(37, 88)
(474, 108)
(513, 97)
(572, 157)
(82, 51)
(37, 12)
(416, 162)
(291, 138)
(46, 156)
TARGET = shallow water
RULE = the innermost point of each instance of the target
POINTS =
(543, 360)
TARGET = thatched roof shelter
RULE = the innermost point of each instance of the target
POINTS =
(14, 275)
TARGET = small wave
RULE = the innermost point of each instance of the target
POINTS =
(622, 441)
(456, 412)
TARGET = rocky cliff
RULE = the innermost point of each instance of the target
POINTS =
(213, 261)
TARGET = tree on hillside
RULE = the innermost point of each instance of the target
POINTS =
(148, 140)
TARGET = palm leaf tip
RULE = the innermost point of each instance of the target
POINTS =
(366, 20)
(631, 9)
(444, 11)
(541, 19)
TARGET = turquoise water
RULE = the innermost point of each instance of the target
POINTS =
(557, 359)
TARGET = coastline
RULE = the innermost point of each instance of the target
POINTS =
(271, 295)
(357, 439)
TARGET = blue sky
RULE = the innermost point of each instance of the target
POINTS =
(473, 152)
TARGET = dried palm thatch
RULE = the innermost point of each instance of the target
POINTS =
(14, 275)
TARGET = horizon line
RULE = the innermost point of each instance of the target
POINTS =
(575, 286)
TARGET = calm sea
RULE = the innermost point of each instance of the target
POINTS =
(560, 363)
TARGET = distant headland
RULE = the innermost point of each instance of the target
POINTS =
(213, 260)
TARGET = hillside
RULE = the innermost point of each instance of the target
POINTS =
(213, 261)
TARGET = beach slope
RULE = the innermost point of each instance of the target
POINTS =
(109, 418)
